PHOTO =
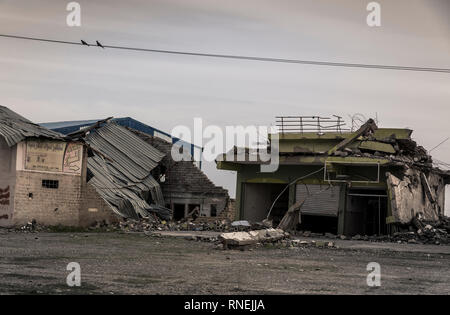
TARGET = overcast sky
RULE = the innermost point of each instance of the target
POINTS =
(50, 82)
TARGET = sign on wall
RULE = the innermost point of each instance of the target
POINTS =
(72, 158)
(5, 205)
(53, 156)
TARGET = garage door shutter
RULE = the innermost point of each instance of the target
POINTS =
(323, 201)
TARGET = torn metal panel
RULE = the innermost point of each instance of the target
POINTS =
(121, 172)
(409, 198)
(15, 128)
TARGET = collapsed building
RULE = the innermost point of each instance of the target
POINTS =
(102, 172)
(136, 175)
(43, 176)
(185, 187)
(371, 181)
(71, 126)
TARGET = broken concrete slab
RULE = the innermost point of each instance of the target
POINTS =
(240, 223)
(406, 196)
(252, 237)
(377, 146)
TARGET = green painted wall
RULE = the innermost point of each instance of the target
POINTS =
(289, 173)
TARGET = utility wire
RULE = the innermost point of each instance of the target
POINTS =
(441, 143)
(240, 57)
(288, 185)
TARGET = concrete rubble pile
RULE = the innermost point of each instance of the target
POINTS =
(145, 225)
(268, 238)
(424, 232)
(404, 151)
(234, 239)
(427, 232)
(417, 232)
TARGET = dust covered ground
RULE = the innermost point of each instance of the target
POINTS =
(116, 263)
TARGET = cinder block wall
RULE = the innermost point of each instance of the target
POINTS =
(48, 206)
(73, 203)
(95, 209)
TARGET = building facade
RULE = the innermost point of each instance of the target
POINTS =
(368, 182)
(43, 177)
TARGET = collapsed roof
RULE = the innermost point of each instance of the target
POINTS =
(182, 176)
(15, 128)
(120, 170)
(387, 146)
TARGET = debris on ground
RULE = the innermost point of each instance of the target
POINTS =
(292, 216)
(240, 223)
(235, 239)
(241, 232)
(418, 232)
(184, 225)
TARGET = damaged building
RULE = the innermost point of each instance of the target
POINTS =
(185, 186)
(99, 173)
(67, 127)
(43, 176)
(371, 181)
(122, 153)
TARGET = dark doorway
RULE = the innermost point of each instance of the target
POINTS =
(319, 224)
(178, 211)
(366, 212)
(258, 198)
(213, 210)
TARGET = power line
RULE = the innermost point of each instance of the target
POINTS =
(240, 57)
(441, 143)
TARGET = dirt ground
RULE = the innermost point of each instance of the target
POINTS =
(115, 263)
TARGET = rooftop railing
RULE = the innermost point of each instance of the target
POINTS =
(312, 124)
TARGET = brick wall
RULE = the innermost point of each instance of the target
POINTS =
(95, 209)
(48, 206)
(74, 203)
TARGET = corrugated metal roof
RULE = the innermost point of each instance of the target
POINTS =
(64, 124)
(15, 128)
(121, 172)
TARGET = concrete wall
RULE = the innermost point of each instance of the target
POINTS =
(7, 182)
(257, 202)
(408, 197)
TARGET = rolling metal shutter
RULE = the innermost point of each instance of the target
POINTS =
(322, 201)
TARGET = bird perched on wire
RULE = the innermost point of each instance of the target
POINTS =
(84, 43)
(99, 45)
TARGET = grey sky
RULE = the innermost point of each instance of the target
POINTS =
(49, 82)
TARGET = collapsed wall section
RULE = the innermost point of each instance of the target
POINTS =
(417, 193)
